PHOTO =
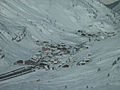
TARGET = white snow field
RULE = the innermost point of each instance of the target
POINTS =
(78, 39)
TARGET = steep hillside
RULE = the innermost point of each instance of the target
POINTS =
(114, 4)
(116, 8)
(22, 23)
(74, 42)
(101, 73)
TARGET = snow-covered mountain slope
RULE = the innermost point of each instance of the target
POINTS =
(112, 5)
(71, 29)
(108, 1)
(23, 22)
(115, 6)
(99, 74)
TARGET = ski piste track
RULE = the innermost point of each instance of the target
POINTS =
(16, 73)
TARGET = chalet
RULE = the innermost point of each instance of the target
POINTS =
(45, 49)
(38, 43)
(82, 63)
(30, 62)
(87, 60)
(79, 30)
(18, 62)
(65, 66)
(42, 64)
(62, 49)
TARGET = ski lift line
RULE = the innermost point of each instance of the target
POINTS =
(16, 73)
(12, 71)
(10, 74)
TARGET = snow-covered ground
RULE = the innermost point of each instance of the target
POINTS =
(103, 54)
(116, 7)
(25, 25)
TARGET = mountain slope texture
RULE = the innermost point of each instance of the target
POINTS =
(75, 44)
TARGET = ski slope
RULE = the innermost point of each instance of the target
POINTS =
(104, 53)
(72, 22)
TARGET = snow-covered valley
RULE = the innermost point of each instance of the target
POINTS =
(74, 45)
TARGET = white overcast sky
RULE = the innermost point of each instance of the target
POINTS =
(108, 1)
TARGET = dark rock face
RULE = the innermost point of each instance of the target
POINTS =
(112, 5)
